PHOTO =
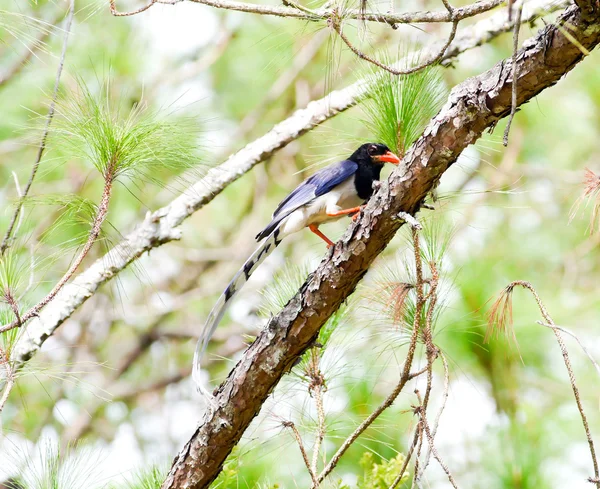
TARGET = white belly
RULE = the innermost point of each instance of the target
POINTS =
(339, 198)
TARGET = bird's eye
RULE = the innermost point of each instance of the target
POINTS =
(372, 149)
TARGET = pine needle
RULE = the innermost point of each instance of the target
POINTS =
(142, 144)
(591, 193)
(500, 316)
(399, 107)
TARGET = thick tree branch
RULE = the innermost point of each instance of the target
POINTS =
(161, 226)
(473, 106)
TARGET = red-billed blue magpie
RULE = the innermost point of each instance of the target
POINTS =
(335, 191)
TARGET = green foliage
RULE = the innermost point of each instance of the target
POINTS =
(151, 478)
(13, 270)
(380, 475)
(8, 338)
(141, 144)
(399, 107)
(49, 467)
(229, 476)
(72, 210)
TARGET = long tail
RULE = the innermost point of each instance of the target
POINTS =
(218, 310)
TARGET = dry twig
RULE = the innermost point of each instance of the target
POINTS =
(423, 420)
(565, 353)
(292, 426)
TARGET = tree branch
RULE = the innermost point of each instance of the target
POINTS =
(473, 106)
(160, 227)
(324, 14)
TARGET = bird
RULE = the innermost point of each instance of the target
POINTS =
(338, 190)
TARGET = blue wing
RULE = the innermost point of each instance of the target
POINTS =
(318, 184)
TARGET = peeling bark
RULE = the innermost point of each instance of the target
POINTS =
(473, 106)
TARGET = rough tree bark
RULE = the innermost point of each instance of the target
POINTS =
(473, 106)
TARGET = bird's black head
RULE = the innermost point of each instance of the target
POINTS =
(375, 154)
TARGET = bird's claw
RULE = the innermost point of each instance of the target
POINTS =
(356, 215)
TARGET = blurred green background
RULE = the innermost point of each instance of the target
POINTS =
(115, 377)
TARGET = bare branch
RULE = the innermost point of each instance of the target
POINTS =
(324, 14)
(160, 227)
(335, 21)
(434, 450)
(413, 444)
(473, 106)
(292, 426)
(565, 353)
(439, 414)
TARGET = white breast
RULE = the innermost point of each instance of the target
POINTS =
(343, 196)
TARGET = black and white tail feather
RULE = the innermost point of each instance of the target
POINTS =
(219, 309)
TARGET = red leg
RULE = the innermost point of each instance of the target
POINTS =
(344, 212)
(315, 229)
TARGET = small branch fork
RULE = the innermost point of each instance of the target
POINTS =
(335, 22)
(557, 332)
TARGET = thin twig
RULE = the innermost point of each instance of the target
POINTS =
(513, 108)
(569, 367)
(337, 27)
(92, 237)
(116, 13)
(439, 414)
(67, 29)
(398, 478)
(435, 452)
(292, 426)
(418, 455)
(317, 390)
(570, 333)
